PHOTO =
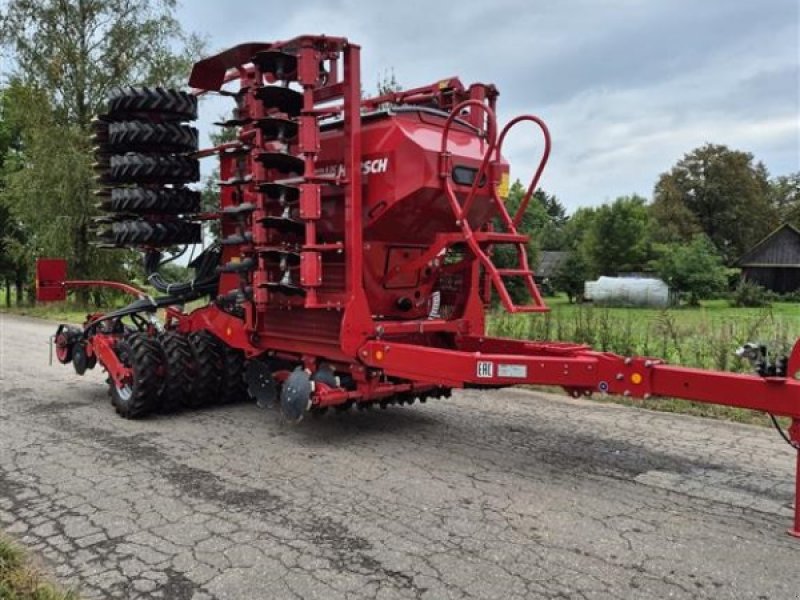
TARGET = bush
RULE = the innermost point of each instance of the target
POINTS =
(749, 294)
(790, 296)
(694, 270)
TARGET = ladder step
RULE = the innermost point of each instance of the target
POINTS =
(500, 238)
(331, 247)
(514, 272)
(528, 308)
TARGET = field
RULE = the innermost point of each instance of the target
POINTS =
(704, 337)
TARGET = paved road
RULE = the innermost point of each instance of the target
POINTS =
(487, 495)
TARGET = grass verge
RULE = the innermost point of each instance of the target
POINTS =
(19, 580)
(65, 312)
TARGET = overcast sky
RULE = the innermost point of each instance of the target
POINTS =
(626, 86)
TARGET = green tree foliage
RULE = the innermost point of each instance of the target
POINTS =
(577, 228)
(618, 237)
(76, 51)
(12, 233)
(715, 190)
(66, 56)
(572, 274)
(695, 270)
(785, 197)
(387, 83)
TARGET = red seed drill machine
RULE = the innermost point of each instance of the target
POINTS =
(353, 261)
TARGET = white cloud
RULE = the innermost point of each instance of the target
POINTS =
(627, 86)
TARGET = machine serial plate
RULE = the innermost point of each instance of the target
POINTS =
(515, 371)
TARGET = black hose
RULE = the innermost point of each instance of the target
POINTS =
(785, 437)
(206, 277)
(149, 304)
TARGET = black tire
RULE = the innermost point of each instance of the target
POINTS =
(153, 233)
(143, 355)
(233, 386)
(131, 103)
(141, 136)
(209, 365)
(178, 387)
(153, 168)
(163, 201)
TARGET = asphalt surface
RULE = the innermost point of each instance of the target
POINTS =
(503, 495)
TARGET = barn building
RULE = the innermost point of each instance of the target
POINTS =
(774, 263)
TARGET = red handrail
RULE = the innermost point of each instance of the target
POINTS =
(491, 133)
(545, 155)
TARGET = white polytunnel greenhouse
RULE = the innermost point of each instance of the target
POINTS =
(628, 291)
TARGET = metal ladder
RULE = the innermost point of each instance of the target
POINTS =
(480, 242)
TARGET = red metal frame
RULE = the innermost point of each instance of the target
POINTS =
(372, 240)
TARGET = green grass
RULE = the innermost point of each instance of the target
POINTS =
(66, 312)
(19, 580)
(704, 337)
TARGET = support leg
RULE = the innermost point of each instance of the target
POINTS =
(794, 434)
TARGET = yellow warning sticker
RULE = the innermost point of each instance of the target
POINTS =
(502, 187)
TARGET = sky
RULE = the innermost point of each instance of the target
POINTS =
(627, 87)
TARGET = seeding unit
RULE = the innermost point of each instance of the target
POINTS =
(353, 258)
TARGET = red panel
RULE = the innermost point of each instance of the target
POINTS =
(50, 276)
(311, 269)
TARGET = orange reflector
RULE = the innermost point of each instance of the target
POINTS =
(636, 378)
(378, 354)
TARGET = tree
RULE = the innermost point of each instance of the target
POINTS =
(785, 197)
(715, 190)
(618, 237)
(387, 83)
(577, 227)
(67, 55)
(695, 270)
(12, 234)
(571, 275)
(76, 51)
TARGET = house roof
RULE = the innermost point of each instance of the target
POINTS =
(779, 248)
(549, 263)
